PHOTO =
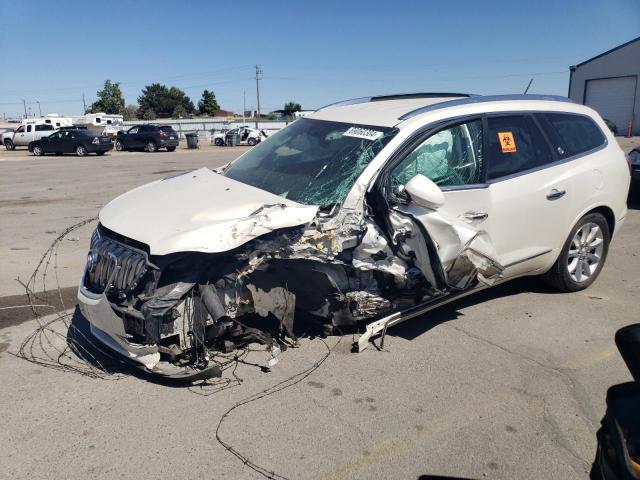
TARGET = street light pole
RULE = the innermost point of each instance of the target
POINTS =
(24, 104)
(39, 109)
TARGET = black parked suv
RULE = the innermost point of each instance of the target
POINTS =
(147, 137)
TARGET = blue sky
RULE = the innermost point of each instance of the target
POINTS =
(312, 52)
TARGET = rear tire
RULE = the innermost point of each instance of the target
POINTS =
(219, 142)
(8, 144)
(582, 256)
(171, 149)
(81, 151)
(119, 146)
(151, 147)
(38, 151)
(251, 142)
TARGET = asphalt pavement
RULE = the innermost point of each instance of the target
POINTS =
(508, 383)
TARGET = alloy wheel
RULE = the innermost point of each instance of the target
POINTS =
(585, 252)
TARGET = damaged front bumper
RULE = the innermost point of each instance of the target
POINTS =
(109, 329)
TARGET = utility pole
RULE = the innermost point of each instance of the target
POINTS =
(258, 73)
(84, 104)
(24, 104)
(29, 111)
(39, 109)
(244, 104)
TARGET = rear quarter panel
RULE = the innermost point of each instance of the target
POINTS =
(602, 179)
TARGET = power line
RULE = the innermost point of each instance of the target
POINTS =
(131, 82)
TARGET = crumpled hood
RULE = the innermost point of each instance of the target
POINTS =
(200, 211)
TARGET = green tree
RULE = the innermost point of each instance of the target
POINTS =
(291, 107)
(110, 99)
(163, 101)
(179, 112)
(130, 112)
(147, 114)
(208, 104)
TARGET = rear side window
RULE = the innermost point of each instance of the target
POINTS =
(515, 144)
(572, 134)
(28, 128)
(43, 128)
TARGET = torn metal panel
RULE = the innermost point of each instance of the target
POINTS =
(374, 253)
(465, 251)
(278, 301)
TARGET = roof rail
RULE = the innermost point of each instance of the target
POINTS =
(405, 96)
(482, 99)
(396, 96)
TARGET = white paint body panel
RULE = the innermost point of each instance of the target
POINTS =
(200, 211)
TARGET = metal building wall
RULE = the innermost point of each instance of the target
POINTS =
(623, 61)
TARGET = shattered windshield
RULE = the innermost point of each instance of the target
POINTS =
(314, 162)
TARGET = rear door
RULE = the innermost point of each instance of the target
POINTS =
(145, 133)
(494, 177)
(531, 191)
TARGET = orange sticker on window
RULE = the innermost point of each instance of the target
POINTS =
(507, 142)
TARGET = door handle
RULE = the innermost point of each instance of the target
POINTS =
(474, 216)
(556, 194)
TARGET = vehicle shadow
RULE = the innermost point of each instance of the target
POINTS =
(90, 350)
(420, 325)
(441, 477)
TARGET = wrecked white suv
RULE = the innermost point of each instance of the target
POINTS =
(365, 213)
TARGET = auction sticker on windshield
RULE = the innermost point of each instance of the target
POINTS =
(366, 133)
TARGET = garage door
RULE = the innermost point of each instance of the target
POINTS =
(613, 99)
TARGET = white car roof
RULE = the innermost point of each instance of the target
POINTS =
(390, 111)
(382, 111)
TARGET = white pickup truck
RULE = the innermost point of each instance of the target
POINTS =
(29, 131)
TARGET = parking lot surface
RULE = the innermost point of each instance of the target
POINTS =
(508, 383)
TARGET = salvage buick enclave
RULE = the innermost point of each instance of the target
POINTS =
(367, 212)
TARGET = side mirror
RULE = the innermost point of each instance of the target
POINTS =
(424, 192)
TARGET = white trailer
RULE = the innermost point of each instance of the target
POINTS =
(107, 124)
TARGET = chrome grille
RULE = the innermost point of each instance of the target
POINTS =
(113, 265)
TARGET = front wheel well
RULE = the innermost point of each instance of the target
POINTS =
(609, 216)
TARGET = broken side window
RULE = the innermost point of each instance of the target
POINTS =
(314, 162)
(450, 157)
